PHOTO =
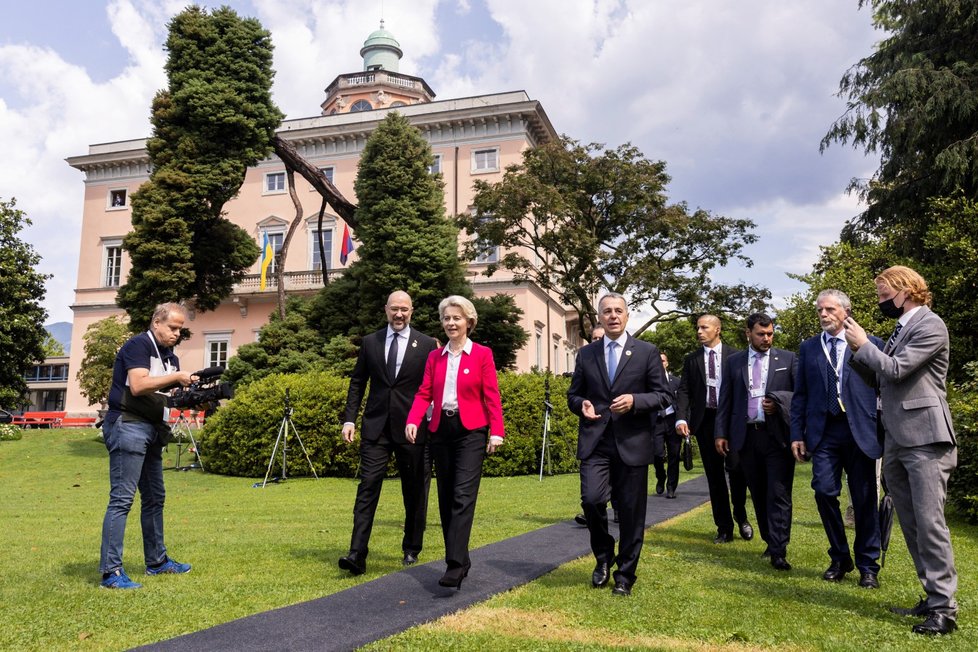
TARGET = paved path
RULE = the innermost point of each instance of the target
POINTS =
(398, 601)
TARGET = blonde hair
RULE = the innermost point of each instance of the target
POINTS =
(460, 302)
(900, 277)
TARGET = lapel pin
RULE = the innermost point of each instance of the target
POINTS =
(628, 352)
(414, 344)
(465, 371)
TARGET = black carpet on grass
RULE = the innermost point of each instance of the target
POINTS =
(398, 601)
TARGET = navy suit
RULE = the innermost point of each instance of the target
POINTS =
(765, 453)
(616, 449)
(666, 442)
(847, 441)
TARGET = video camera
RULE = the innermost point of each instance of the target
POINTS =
(207, 389)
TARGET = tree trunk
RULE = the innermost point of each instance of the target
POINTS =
(295, 163)
(280, 266)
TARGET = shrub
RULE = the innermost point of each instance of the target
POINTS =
(239, 438)
(963, 484)
(10, 433)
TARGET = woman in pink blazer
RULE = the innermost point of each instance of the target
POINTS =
(466, 423)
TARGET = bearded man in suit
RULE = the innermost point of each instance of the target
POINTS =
(392, 360)
(919, 447)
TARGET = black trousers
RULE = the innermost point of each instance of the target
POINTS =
(717, 469)
(458, 455)
(414, 468)
(770, 470)
(667, 464)
(604, 477)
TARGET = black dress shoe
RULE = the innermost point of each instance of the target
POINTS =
(746, 531)
(410, 558)
(919, 609)
(453, 576)
(837, 570)
(660, 486)
(936, 624)
(670, 493)
(599, 577)
(622, 589)
(869, 581)
(723, 537)
(352, 564)
(766, 553)
(580, 520)
(780, 563)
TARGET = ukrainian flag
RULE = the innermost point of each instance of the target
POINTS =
(266, 259)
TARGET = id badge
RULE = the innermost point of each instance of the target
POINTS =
(757, 392)
(711, 382)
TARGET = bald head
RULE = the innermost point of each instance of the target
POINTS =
(708, 330)
(399, 309)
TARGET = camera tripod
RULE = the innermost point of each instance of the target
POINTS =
(181, 433)
(283, 438)
(548, 408)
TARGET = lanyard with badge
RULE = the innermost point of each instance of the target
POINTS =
(715, 381)
(158, 367)
(756, 392)
(838, 370)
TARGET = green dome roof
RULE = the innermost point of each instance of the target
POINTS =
(381, 50)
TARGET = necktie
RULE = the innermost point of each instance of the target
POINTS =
(890, 342)
(754, 402)
(711, 399)
(612, 361)
(392, 357)
(832, 378)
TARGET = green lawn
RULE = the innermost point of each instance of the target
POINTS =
(256, 549)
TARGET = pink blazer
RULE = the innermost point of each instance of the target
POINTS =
(479, 404)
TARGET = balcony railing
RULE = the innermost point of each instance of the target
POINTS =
(294, 281)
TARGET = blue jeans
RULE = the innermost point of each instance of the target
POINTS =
(135, 461)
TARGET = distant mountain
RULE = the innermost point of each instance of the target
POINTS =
(61, 331)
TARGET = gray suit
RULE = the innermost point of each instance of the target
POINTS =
(919, 448)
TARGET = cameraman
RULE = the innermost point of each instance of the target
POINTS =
(133, 428)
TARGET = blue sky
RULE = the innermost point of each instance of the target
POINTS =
(733, 96)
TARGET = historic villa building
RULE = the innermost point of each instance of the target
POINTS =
(472, 138)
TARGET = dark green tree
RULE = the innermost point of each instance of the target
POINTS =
(675, 338)
(579, 219)
(22, 333)
(914, 101)
(499, 328)
(215, 119)
(405, 240)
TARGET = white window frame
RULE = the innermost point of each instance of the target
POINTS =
(212, 338)
(435, 168)
(483, 163)
(108, 244)
(329, 224)
(487, 257)
(272, 230)
(274, 191)
(113, 192)
(330, 172)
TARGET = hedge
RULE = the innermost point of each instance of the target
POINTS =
(238, 439)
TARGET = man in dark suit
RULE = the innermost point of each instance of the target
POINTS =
(617, 387)
(392, 360)
(833, 422)
(666, 441)
(752, 419)
(920, 449)
(696, 411)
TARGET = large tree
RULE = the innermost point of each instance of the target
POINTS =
(215, 119)
(22, 333)
(405, 241)
(581, 219)
(914, 101)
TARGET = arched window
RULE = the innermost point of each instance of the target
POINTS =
(397, 104)
(361, 105)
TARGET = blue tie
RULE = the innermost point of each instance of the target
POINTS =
(832, 378)
(612, 361)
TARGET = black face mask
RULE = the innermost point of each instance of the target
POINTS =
(890, 309)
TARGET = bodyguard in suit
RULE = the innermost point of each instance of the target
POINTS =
(696, 410)
(752, 419)
(919, 449)
(833, 421)
(617, 387)
(392, 360)
(666, 441)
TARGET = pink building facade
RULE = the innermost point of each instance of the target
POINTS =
(472, 138)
